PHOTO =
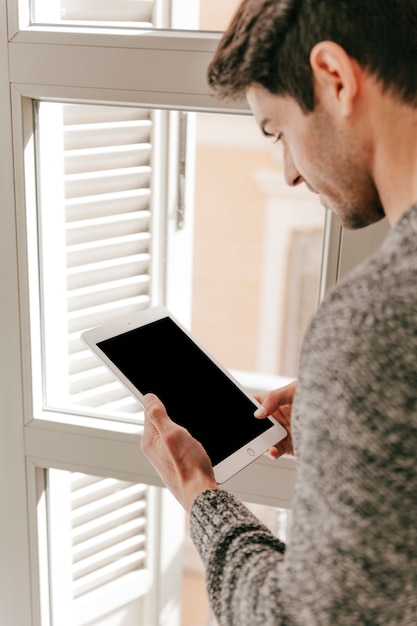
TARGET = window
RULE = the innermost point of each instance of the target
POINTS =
(73, 96)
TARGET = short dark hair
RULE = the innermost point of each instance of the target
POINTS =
(268, 42)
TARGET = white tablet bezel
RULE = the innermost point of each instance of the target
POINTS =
(236, 461)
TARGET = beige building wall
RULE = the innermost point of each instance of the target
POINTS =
(229, 231)
(216, 14)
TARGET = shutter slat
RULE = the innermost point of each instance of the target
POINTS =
(114, 518)
(100, 314)
(110, 203)
(133, 545)
(91, 183)
(115, 535)
(87, 136)
(107, 157)
(86, 114)
(108, 220)
(91, 230)
(138, 282)
(125, 405)
(105, 599)
(142, 238)
(101, 489)
(92, 382)
(80, 480)
(106, 271)
(104, 505)
(108, 573)
(100, 396)
(114, 248)
(82, 361)
(101, 293)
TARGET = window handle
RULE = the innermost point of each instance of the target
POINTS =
(182, 158)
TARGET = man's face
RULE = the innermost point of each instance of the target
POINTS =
(332, 160)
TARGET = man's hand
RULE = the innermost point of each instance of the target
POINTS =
(278, 403)
(179, 459)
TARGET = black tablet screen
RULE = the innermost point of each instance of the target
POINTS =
(160, 358)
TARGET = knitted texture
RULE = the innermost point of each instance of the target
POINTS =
(351, 555)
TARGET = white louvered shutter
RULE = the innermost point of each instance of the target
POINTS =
(101, 241)
(99, 549)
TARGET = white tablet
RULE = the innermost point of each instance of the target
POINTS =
(150, 351)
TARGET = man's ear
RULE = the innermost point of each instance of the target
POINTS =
(336, 75)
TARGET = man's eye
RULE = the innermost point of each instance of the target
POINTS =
(275, 137)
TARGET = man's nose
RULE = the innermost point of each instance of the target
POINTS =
(291, 174)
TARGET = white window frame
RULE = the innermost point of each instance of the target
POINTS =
(79, 65)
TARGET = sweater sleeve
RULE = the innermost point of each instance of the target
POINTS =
(242, 558)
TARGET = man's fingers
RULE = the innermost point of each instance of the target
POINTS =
(154, 410)
(156, 420)
(158, 424)
(149, 400)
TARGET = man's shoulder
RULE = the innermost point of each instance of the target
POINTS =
(389, 273)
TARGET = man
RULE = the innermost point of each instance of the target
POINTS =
(336, 82)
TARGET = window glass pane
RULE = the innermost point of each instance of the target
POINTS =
(258, 257)
(111, 242)
(205, 15)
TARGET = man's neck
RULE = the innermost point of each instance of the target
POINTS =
(395, 156)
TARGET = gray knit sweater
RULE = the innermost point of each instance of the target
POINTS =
(351, 556)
